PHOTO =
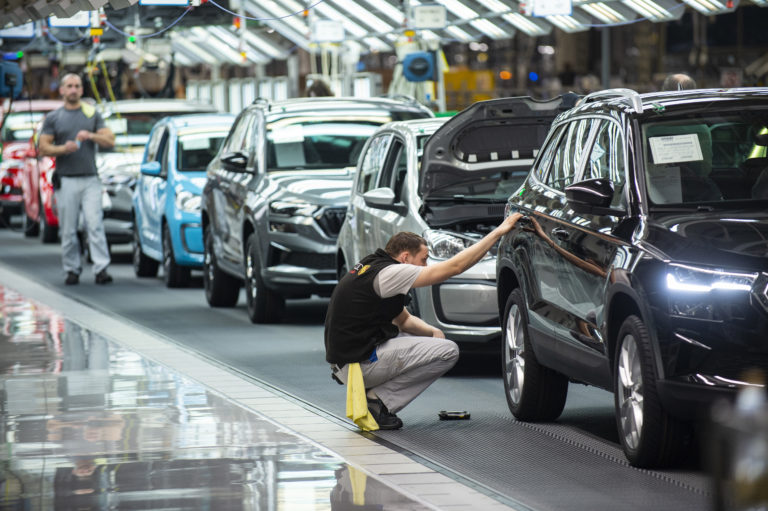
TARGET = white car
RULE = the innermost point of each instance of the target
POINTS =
(453, 195)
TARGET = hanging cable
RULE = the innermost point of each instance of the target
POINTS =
(186, 11)
(109, 85)
(297, 13)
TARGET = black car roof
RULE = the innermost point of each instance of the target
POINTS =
(644, 105)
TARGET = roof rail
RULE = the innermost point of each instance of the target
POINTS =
(632, 96)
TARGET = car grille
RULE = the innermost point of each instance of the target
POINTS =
(330, 220)
(303, 259)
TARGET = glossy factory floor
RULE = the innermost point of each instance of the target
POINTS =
(98, 413)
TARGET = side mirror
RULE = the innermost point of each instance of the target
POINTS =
(236, 161)
(379, 197)
(383, 198)
(150, 168)
(592, 196)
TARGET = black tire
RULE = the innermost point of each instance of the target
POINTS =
(31, 228)
(5, 219)
(50, 233)
(649, 436)
(143, 266)
(264, 305)
(221, 289)
(173, 274)
(533, 392)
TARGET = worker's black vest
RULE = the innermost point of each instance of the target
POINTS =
(358, 319)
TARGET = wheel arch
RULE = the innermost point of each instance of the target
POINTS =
(622, 302)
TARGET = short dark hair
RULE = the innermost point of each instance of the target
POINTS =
(678, 81)
(404, 241)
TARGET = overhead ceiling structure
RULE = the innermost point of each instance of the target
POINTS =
(275, 28)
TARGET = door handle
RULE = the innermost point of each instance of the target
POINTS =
(561, 234)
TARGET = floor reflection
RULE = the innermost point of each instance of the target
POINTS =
(87, 424)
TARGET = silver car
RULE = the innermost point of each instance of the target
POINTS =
(472, 163)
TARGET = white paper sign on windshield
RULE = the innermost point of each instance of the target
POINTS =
(117, 125)
(676, 149)
(288, 134)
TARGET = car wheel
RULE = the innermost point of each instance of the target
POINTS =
(221, 290)
(173, 274)
(650, 437)
(31, 228)
(143, 266)
(264, 305)
(534, 392)
(5, 219)
(50, 233)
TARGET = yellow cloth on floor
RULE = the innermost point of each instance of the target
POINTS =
(357, 403)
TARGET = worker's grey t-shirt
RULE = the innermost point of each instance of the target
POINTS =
(64, 125)
(396, 279)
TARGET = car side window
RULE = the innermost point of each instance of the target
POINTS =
(163, 155)
(606, 158)
(238, 138)
(562, 169)
(395, 168)
(154, 145)
(372, 163)
(549, 151)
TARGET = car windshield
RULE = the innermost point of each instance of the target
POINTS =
(196, 149)
(19, 126)
(710, 158)
(132, 129)
(316, 144)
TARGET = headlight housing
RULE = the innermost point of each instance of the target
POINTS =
(187, 201)
(445, 244)
(293, 208)
(692, 279)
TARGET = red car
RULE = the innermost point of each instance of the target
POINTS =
(17, 137)
(33, 179)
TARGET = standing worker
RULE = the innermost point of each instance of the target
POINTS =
(70, 134)
(367, 324)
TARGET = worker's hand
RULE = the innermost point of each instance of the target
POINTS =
(83, 135)
(436, 332)
(509, 223)
(70, 146)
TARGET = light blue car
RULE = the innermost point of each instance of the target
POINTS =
(166, 202)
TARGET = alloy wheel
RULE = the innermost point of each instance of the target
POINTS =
(630, 392)
(514, 360)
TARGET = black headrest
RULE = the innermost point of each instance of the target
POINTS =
(761, 139)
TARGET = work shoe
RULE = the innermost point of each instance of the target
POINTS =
(103, 277)
(72, 278)
(384, 418)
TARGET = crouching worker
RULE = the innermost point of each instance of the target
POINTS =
(387, 356)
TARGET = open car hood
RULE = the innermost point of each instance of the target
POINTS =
(484, 138)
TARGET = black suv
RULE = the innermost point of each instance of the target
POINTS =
(640, 265)
(276, 196)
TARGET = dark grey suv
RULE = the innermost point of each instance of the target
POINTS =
(276, 196)
(640, 265)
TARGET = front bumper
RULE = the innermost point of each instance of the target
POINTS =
(463, 307)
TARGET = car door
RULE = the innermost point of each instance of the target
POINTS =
(360, 215)
(549, 283)
(388, 220)
(228, 195)
(588, 248)
(151, 192)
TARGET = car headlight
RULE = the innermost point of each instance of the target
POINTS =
(187, 201)
(692, 279)
(293, 208)
(444, 244)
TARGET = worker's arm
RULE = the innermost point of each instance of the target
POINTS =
(47, 147)
(104, 137)
(436, 273)
(414, 325)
